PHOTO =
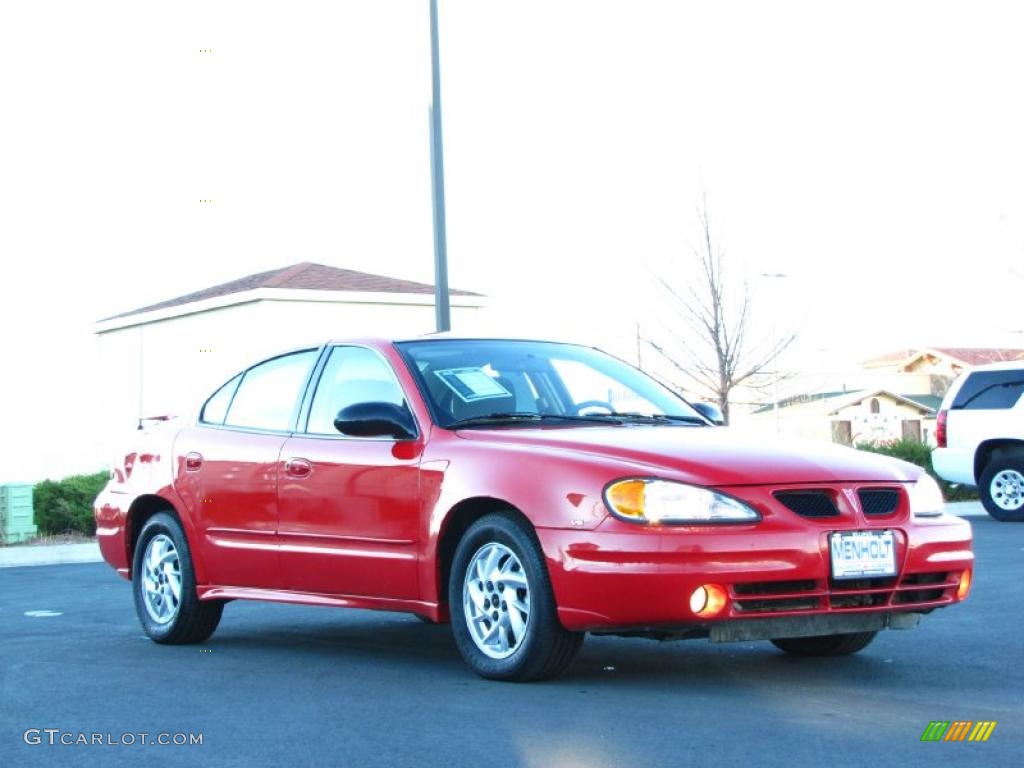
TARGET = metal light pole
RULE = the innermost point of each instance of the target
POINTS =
(442, 309)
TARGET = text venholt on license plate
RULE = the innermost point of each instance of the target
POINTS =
(862, 554)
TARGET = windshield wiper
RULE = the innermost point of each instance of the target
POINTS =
(651, 418)
(515, 416)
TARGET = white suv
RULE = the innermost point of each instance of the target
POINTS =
(980, 435)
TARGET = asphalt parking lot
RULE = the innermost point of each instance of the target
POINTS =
(287, 685)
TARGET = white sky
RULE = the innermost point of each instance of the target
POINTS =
(871, 151)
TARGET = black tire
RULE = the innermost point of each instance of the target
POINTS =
(190, 620)
(825, 645)
(546, 648)
(991, 483)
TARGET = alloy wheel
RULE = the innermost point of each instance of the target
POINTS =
(161, 579)
(496, 600)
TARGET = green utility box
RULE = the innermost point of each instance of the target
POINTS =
(16, 515)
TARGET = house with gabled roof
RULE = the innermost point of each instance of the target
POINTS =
(890, 397)
(850, 418)
(161, 358)
(948, 361)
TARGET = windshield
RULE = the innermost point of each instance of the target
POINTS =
(469, 382)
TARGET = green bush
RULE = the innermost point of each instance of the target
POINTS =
(920, 454)
(66, 505)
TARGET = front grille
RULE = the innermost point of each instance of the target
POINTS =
(773, 587)
(777, 605)
(878, 501)
(804, 596)
(859, 585)
(931, 586)
(809, 503)
(776, 596)
(861, 593)
(859, 600)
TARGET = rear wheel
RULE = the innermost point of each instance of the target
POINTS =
(1001, 487)
(164, 586)
(825, 645)
(503, 611)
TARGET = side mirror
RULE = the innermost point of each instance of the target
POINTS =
(375, 419)
(711, 412)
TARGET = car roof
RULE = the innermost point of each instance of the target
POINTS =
(449, 336)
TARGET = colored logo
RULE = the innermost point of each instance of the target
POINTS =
(958, 730)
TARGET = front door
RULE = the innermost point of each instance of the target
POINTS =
(349, 507)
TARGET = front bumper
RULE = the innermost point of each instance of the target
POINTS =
(625, 577)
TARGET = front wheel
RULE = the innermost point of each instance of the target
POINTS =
(164, 586)
(826, 645)
(503, 611)
(1001, 487)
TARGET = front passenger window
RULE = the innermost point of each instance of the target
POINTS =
(352, 375)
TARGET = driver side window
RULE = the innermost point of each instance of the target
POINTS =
(352, 375)
(593, 392)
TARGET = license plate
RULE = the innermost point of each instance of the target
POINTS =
(862, 554)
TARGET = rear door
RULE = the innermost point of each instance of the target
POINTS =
(350, 506)
(226, 470)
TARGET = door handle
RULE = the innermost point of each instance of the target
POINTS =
(193, 461)
(298, 468)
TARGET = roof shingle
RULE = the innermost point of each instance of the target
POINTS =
(981, 355)
(303, 276)
(965, 355)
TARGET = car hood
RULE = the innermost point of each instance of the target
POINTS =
(710, 455)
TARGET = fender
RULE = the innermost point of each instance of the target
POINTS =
(552, 489)
(141, 505)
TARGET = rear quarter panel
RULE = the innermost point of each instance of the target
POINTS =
(142, 476)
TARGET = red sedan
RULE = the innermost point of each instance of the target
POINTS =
(528, 492)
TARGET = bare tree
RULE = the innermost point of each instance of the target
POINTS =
(712, 347)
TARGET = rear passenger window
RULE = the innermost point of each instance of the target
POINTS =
(269, 393)
(217, 406)
(990, 390)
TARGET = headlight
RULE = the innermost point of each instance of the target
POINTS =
(926, 497)
(664, 501)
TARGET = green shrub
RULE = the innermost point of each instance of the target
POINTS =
(920, 454)
(66, 505)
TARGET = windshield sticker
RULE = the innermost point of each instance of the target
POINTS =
(472, 384)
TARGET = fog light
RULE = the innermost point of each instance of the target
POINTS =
(707, 600)
(965, 585)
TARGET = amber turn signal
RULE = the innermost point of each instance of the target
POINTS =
(627, 498)
(965, 584)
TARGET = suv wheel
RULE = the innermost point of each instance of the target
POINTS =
(1001, 487)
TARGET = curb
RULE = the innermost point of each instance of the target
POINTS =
(57, 554)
